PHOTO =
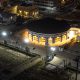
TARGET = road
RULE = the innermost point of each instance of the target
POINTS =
(68, 54)
(72, 16)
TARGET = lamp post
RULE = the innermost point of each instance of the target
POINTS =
(50, 53)
(77, 66)
(26, 40)
(4, 33)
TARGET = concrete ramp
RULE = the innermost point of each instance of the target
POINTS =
(26, 64)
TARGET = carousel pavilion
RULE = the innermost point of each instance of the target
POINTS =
(49, 32)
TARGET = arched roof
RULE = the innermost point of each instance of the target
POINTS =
(48, 26)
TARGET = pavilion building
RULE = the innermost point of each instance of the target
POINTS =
(50, 32)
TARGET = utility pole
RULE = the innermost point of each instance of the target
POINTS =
(77, 60)
(77, 66)
(49, 54)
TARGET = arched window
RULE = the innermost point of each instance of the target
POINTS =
(20, 12)
(42, 40)
(63, 37)
(35, 39)
(50, 41)
(25, 34)
(14, 9)
(26, 13)
(30, 37)
(57, 39)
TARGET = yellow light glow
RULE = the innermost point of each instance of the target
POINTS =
(26, 13)
(30, 37)
(63, 37)
(14, 9)
(79, 33)
(63, 1)
(26, 34)
(50, 41)
(33, 13)
(42, 41)
(20, 11)
(57, 39)
(71, 34)
(35, 39)
(36, 13)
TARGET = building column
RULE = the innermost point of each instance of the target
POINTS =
(32, 36)
(38, 38)
(61, 37)
(46, 43)
(28, 34)
(53, 39)
(66, 36)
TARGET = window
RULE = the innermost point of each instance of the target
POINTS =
(50, 41)
(30, 37)
(35, 39)
(25, 34)
(63, 37)
(58, 39)
(42, 40)
(26, 14)
(20, 12)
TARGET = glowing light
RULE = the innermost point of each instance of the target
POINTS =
(14, 10)
(79, 31)
(42, 41)
(11, 17)
(20, 11)
(50, 41)
(71, 34)
(25, 13)
(63, 2)
(26, 40)
(57, 39)
(53, 48)
(35, 39)
(4, 33)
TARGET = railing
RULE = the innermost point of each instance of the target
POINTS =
(16, 47)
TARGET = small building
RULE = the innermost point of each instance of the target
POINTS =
(53, 6)
(49, 32)
(28, 11)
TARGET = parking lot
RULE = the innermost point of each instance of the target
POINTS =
(9, 60)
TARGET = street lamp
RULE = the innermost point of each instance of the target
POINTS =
(53, 48)
(77, 66)
(26, 40)
(71, 34)
(4, 33)
(51, 53)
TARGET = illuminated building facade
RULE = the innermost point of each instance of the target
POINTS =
(26, 12)
(58, 38)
